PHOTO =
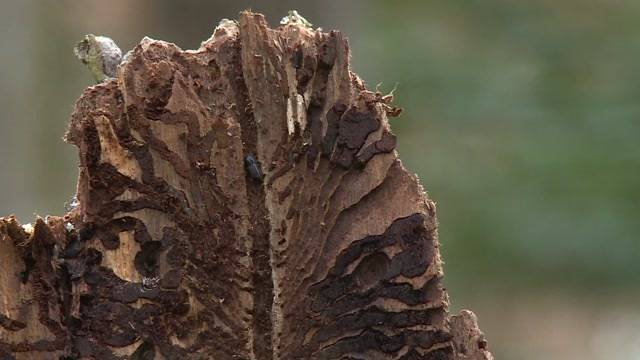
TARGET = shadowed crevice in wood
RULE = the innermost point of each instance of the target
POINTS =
(239, 201)
(262, 328)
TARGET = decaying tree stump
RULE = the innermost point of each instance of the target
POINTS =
(240, 201)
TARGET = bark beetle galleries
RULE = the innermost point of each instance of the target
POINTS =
(239, 201)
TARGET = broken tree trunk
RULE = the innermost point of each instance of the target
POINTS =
(240, 201)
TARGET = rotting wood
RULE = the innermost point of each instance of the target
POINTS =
(320, 246)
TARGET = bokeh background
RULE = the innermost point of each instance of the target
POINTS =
(521, 118)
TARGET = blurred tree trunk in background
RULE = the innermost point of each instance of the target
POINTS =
(15, 34)
(241, 201)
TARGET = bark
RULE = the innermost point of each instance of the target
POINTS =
(240, 201)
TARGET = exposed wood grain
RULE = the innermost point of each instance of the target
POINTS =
(239, 201)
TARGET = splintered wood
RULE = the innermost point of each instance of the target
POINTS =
(239, 201)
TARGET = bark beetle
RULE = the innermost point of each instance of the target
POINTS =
(322, 247)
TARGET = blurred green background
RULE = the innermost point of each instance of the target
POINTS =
(522, 120)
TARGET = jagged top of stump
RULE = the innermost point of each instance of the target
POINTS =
(239, 201)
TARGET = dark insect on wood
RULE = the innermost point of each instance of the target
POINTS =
(86, 232)
(73, 249)
(75, 268)
(253, 167)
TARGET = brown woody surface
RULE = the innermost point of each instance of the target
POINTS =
(179, 250)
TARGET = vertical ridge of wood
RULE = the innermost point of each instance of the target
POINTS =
(263, 277)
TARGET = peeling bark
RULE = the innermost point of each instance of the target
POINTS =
(240, 201)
